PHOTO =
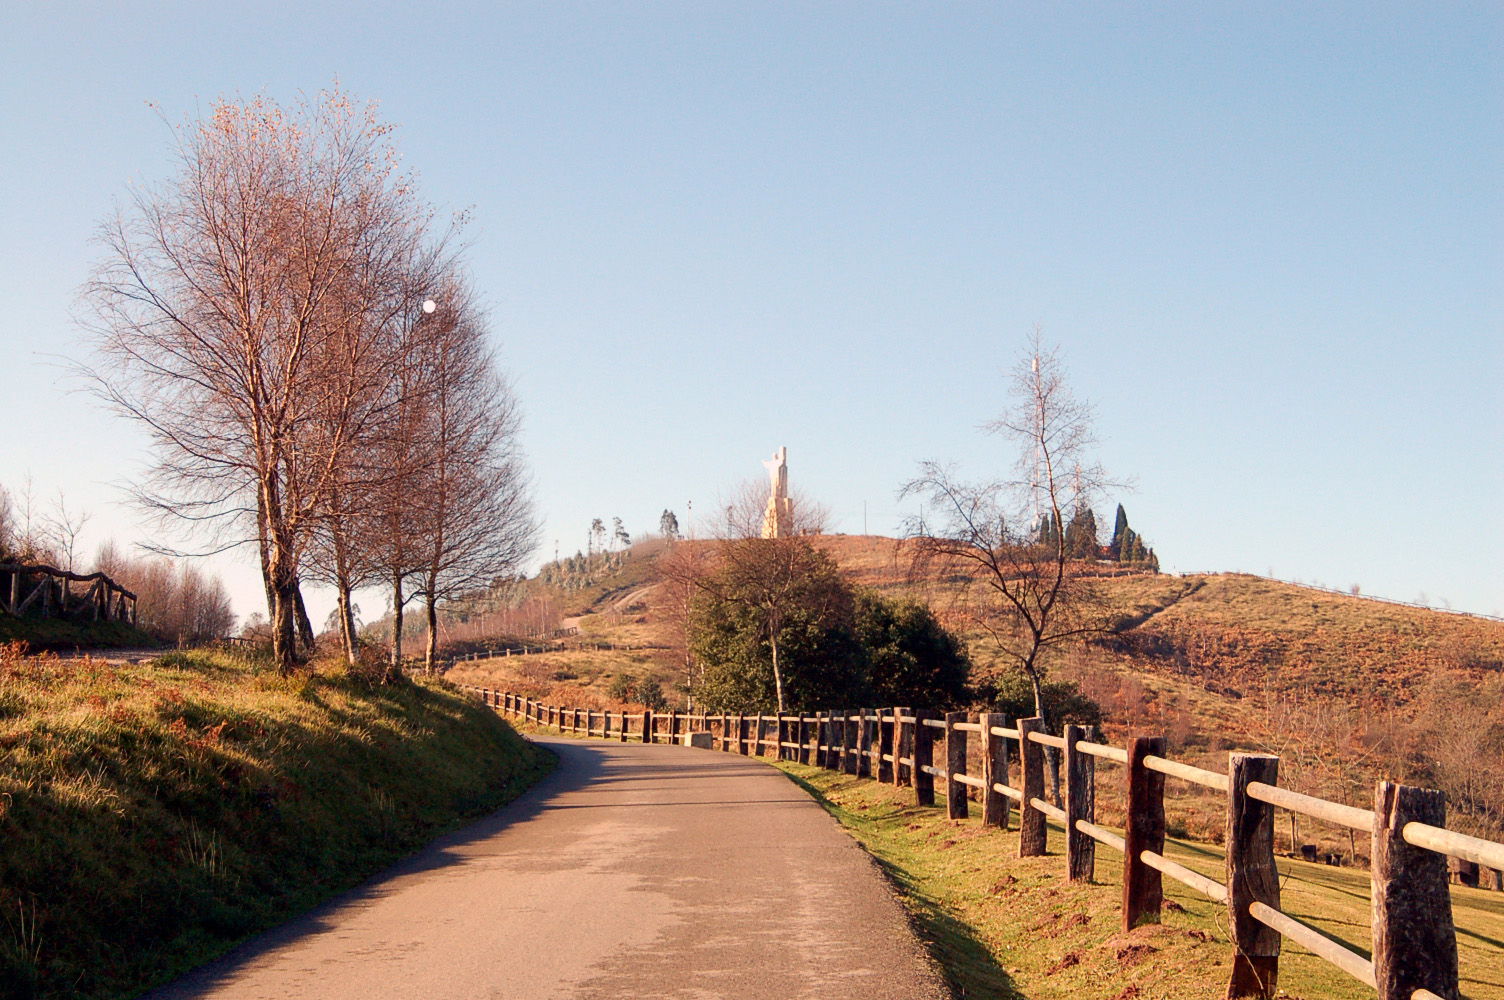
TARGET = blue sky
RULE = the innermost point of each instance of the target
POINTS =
(1269, 239)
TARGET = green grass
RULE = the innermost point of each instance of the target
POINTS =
(1009, 927)
(155, 814)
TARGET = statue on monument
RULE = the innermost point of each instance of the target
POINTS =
(778, 519)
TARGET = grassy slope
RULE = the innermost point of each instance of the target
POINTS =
(156, 814)
(56, 634)
(1006, 927)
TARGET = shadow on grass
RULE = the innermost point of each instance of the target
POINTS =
(967, 964)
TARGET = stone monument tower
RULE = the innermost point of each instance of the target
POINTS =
(778, 519)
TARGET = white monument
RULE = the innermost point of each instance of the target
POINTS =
(778, 519)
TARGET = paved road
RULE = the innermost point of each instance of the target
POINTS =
(631, 871)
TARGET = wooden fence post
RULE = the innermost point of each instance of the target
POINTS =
(850, 762)
(822, 739)
(994, 769)
(1251, 876)
(902, 747)
(884, 768)
(1143, 888)
(757, 734)
(1032, 836)
(647, 727)
(801, 729)
(956, 806)
(781, 729)
(1414, 938)
(1080, 804)
(924, 756)
(742, 731)
(866, 746)
(623, 735)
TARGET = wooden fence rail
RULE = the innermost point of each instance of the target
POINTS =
(48, 592)
(1414, 953)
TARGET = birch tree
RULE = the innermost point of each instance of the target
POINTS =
(221, 311)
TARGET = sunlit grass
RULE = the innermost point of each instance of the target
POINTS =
(1004, 926)
(153, 814)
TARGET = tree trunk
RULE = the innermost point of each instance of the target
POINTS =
(305, 627)
(777, 676)
(346, 620)
(284, 628)
(431, 649)
(395, 667)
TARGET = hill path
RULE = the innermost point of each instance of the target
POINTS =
(631, 871)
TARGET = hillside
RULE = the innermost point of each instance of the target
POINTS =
(1232, 634)
(1344, 688)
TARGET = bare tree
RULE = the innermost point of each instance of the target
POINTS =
(222, 313)
(1006, 537)
(475, 514)
(63, 528)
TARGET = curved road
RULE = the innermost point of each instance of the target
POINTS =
(631, 871)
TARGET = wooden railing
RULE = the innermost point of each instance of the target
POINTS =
(1414, 955)
(47, 591)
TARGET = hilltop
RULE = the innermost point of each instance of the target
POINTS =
(1232, 634)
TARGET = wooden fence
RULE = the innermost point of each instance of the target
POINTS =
(48, 592)
(1414, 955)
(527, 649)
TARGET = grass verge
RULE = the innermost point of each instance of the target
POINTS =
(1007, 927)
(155, 814)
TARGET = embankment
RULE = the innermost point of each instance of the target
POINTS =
(155, 814)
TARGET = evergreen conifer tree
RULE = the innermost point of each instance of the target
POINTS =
(1119, 526)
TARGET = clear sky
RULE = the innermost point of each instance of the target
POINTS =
(1268, 238)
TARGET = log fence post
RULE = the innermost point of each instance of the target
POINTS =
(757, 736)
(866, 746)
(780, 727)
(956, 806)
(884, 768)
(994, 770)
(924, 756)
(1143, 888)
(647, 727)
(1414, 937)
(1251, 877)
(1032, 837)
(850, 762)
(1080, 804)
(902, 747)
(801, 752)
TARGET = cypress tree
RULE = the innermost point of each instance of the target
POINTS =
(1119, 526)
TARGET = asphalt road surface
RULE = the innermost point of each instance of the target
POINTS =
(631, 871)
